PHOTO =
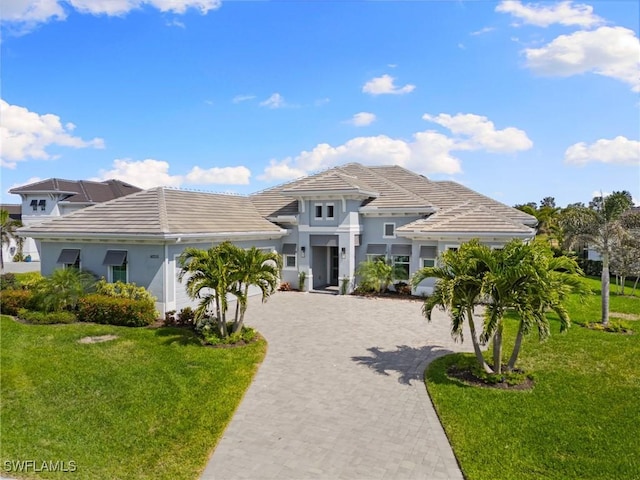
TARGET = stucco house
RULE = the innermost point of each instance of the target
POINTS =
(324, 224)
(56, 197)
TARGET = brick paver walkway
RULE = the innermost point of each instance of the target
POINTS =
(340, 394)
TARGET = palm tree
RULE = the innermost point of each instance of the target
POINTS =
(207, 273)
(457, 290)
(376, 275)
(63, 288)
(8, 233)
(223, 270)
(600, 226)
(254, 267)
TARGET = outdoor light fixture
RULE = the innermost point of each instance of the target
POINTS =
(344, 252)
(303, 250)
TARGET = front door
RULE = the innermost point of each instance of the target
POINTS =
(334, 265)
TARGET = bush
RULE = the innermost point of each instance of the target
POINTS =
(591, 268)
(8, 281)
(29, 280)
(13, 300)
(123, 290)
(185, 318)
(245, 335)
(46, 318)
(104, 309)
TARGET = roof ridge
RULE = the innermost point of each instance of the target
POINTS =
(84, 190)
(398, 186)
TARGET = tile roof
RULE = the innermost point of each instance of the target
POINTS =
(80, 191)
(162, 212)
(14, 210)
(466, 218)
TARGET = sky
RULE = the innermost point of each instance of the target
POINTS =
(516, 100)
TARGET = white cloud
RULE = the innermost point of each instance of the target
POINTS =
(147, 173)
(321, 101)
(362, 119)
(274, 101)
(620, 150)
(482, 31)
(609, 51)
(151, 173)
(427, 152)
(29, 13)
(565, 13)
(242, 98)
(481, 133)
(218, 175)
(384, 85)
(27, 135)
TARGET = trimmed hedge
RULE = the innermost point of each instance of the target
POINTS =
(116, 311)
(46, 318)
(11, 301)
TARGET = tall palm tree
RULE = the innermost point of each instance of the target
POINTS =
(8, 227)
(254, 267)
(457, 290)
(207, 274)
(600, 226)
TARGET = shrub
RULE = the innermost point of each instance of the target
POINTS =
(46, 318)
(28, 280)
(8, 281)
(123, 290)
(285, 287)
(104, 309)
(62, 289)
(245, 335)
(13, 300)
(185, 318)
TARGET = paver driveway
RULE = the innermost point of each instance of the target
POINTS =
(340, 394)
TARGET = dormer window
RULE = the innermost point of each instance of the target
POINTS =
(34, 205)
(43, 205)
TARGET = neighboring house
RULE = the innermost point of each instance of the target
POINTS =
(56, 197)
(15, 213)
(323, 224)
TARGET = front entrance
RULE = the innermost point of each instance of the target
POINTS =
(325, 264)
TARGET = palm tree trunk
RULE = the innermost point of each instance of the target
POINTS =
(605, 288)
(238, 326)
(497, 349)
(516, 348)
(476, 345)
(635, 285)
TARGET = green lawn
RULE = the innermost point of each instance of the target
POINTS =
(581, 420)
(149, 404)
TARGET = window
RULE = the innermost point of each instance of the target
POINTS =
(402, 262)
(43, 205)
(330, 211)
(34, 205)
(428, 256)
(69, 258)
(389, 230)
(116, 260)
(376, 251)
(290, 261)
(318, 211)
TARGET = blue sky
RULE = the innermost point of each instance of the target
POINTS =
(516, 100)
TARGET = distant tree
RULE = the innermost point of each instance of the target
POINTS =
(8, 227)
(549, 202)
(599, 226)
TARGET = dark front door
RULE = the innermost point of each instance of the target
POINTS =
(334, 266)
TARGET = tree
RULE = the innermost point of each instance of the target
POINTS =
(457, 291)
(226, 269)
(376, 275)
(522, 278)
(8, 227)
(255, 268)
(599, 226)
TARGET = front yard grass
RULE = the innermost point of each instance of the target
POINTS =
(581, 419)
(151, 403)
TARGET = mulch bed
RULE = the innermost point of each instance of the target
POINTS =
(467, 376)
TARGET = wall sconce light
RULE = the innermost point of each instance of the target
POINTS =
(303, 250)
(343, 252)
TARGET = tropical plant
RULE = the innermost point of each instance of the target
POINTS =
(302, 278)
(599, 226)
(254, 267)
(8, 227)
(226, 269)
(376, 275)
(457, 291)
(63, 289)
(526, 279)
